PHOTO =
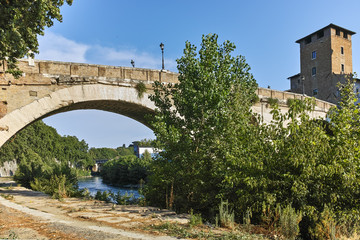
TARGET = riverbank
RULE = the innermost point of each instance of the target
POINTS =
(27, 214)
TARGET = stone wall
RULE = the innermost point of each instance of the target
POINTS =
(8, 169)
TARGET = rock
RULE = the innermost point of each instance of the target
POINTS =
(8, 168)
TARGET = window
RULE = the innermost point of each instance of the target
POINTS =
(345, 35)
(342, 68)
(313, 71)
(313, 55)
(342, 50)
(337, 32)
(308, 40)
(320, 34)
(315, 92)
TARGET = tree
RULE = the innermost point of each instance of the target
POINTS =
(193, 122)
(20, 24)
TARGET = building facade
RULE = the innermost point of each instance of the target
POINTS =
(325, 60)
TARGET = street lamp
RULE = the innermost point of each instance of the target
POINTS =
(162, 52)
(302, 82)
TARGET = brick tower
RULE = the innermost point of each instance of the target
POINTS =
(325, 60)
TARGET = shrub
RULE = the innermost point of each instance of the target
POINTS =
(289, 222)
(141, 89)
(226, 217)
(195, 219)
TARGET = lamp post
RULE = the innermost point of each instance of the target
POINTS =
(302, 82)
(162, 52)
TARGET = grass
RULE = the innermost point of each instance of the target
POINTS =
(201, 232)
(7, 196)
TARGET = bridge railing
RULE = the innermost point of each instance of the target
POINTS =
(44, 72)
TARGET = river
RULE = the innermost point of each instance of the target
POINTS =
(96, 183)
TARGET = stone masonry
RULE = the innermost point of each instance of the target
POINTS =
(49, 87)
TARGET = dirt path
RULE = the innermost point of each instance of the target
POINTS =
(26, 214)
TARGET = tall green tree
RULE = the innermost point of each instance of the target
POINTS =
(193, 124)
(20, 24)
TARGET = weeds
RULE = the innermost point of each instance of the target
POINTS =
(226, 216)
(7, 196)
(141, 89)
(289, 222)
(182, 231)
(195, 219)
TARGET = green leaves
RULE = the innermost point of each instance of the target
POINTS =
(20, 24)
(196, 125)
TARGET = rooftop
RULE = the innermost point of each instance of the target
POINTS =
(328, 26)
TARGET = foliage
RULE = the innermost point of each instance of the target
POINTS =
(194, 126)
(117, 198)
(124, 151)
(47, 162)
(215, 148)
(110, 153)
(200, 232)
(20, 24)
(103, 196)
(56, 179)
(226, 216)
(103, 153)
(120, 199)
(195, 219)
(39, 141)
(125, 170)
(289, 222)
(141, 89)
(146, 142)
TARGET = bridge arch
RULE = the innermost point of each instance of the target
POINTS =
(49, 87)
(121, 100)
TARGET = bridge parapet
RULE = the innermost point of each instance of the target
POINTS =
(265, 94)
(49, 87)
(41, 72)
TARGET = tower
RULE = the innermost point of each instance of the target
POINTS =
(325, 60)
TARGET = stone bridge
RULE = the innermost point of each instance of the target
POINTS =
(49, 87)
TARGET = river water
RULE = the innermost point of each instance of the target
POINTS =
(96, 183)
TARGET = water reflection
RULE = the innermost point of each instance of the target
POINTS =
(95, 184)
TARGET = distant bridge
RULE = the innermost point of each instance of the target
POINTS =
(49, 87)
(98, 165)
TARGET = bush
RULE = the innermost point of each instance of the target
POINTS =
(226, 217)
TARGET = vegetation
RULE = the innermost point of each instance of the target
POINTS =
(20, 24)
(146, 143)
(47, 162)
(194, 124)
(117, 198)
(141, 89)
(126, 170)
(202, 232)
(306, 172)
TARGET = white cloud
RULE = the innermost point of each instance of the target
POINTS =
(58, 48)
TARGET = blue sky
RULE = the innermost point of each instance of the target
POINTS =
(113, 32)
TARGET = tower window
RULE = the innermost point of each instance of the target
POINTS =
(342, 68)
(337, 32)
(313, 55)
(308, 40)
(315, 92)
(342, 50)
(320, 34)
(313, 71)
(345, 35)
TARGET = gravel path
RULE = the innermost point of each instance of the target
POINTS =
(27, 214)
